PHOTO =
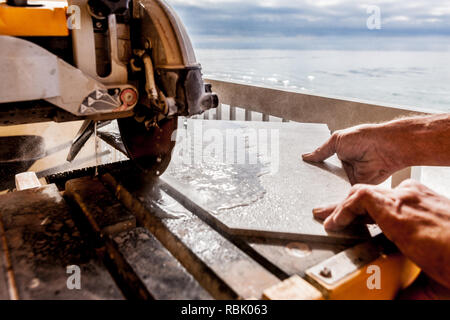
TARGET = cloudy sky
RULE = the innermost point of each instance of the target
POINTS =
(314, 23)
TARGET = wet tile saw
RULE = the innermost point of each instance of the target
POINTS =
(100, 60)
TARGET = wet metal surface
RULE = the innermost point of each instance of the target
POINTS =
(162, 275)
(298, 249)
(270, 194)
(293, 257)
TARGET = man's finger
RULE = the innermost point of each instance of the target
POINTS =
(345, 213)
(323, 152)
(323, 212)
(362, 200)
(382, 209)
(375, 201)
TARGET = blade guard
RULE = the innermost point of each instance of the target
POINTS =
(156, 26)
(173, 57)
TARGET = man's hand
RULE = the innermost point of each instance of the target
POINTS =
(372, 153)
(366, 152)
(414, 217)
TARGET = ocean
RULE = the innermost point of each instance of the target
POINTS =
(419, 79)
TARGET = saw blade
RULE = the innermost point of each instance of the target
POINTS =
(150, 149)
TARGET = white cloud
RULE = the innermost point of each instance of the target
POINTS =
(316, 17)
(397, 19)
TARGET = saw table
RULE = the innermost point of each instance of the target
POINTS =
(217, 224)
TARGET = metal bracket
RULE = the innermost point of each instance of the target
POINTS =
(84, 47)
(335, 269)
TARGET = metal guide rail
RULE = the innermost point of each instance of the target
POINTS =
(122, 235)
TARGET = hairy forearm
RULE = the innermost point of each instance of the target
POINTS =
(418, 141)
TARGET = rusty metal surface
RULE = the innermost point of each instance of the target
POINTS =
(32, 112)
(271, 197)
(145, 269)
(43, 241)
(60, 179)
(105, 214)
(4, 294)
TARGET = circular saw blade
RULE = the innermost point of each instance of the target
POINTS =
(150, 149)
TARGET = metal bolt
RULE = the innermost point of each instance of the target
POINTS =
(325, 272)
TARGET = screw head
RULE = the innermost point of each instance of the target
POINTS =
(325, 272)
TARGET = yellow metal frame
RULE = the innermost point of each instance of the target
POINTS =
(49, 19)
(397, 273)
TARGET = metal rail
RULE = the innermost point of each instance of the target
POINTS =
(337, 113)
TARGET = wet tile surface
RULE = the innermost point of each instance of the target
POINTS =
(270, 194)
